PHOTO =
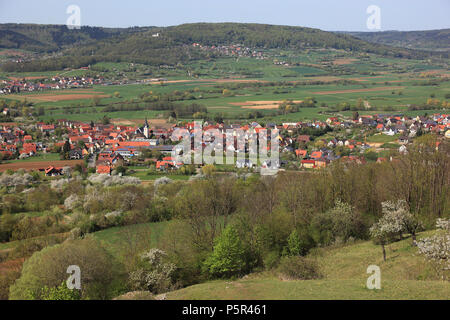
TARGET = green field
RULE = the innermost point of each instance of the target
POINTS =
(382, 138)
(144, 176)
(270, 288)
(118, 240)
(388, 84)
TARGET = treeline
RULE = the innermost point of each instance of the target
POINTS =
(425, 40)
(171, 109)
(47, 38)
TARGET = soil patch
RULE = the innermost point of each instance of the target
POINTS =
(38, 165)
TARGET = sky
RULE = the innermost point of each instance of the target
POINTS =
(330, 15)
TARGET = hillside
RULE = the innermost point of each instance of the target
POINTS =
(46, 38)
(171, 45)
(404, 275)
(437, 40)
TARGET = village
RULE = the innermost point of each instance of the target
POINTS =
(234, 50)
(16, 85)
(105, 147)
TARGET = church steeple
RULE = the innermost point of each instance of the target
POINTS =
(146, 129)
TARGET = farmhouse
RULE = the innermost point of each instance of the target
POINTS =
(53, 172)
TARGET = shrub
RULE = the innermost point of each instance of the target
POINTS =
(60, 292)
(71, 202)
(107, 180)
(271, 260)
(16, 179)
(7, 224)
(154, 273)
(436, 249)
(161, 181)
(6, 280)
(298, 268)
(338, 224)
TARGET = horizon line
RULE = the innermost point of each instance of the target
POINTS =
(223, 22)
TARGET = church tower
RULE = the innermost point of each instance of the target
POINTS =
(146, 129)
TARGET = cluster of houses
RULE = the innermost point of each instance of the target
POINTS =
(15, 143)
(113, 145)
(56, 83)
(234, 50)
(398, 124)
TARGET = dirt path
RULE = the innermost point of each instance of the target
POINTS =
(38, 165)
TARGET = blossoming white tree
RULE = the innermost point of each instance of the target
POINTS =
(154, 273)
(436, 249)
(395, 221)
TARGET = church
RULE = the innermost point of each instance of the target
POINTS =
(144, 131)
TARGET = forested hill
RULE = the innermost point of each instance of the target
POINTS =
(438, 40)
(173, 45)
(274, 36)
(46, 38)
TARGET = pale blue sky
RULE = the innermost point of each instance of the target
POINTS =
(344, 15)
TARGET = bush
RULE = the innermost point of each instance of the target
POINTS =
(271, 260)
(16, 179)
(154, 273)
(298, 268)
(6, 280)
(107, 180)
(7, 224)
(48, 268)
(436, 249)
(60, 293)
(338, 225)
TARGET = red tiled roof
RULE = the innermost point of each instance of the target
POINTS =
(104, 169)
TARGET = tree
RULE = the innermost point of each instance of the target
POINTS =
(66, 147)
(399, 212)
(105, 120)
(96, 101)
(390, 225)
(228, 257)
(121, 170)
(294, 244)
(226, 93)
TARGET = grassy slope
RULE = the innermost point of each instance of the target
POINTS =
(345, 278)
(117, 240)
